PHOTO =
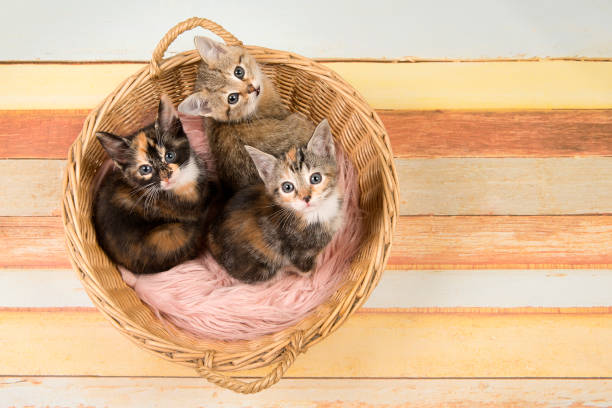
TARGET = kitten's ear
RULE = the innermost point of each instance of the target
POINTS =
(321, 142)
(118, 148)
(264, 162)
(196, 105)
(209, 50)
(167, 115)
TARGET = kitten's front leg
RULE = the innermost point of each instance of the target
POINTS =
(303, 261)
(253, 273)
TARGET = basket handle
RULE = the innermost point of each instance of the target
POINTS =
(204, 369)
(180, 28)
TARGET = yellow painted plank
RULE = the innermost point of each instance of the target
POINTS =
(482, 85)
(427, 85)
(368, 345)
(33, 86)
(43, 392)
(442, 186)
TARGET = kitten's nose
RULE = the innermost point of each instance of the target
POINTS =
(251, 88)
(164, 175)
(307, 199)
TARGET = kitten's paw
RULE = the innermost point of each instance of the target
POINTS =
(128, 276)
(292, 270)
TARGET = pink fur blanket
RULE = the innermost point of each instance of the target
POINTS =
(199, 296)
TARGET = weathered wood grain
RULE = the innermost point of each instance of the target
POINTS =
(367, 345)
(503, 85)
(47, 134)
(427, 242)
(431, 85)
(32, 242)
(508, 186)
(443, 186)
(31, 188)
(511, 242)
(98, 392)
(548, 133)
(39, 134)
(506, 291)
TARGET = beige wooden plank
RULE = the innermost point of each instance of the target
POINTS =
(428, 85)
(508, 186)
(73, 392)
(416, 289)
(443, 186)
(368, 345)
(31, 187)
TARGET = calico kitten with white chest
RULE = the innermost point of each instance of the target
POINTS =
(151, 209)
(242, 107)
(286, 221)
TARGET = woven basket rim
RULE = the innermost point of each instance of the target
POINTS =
(238, 355)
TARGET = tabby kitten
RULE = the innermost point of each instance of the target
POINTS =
(242, 107)
(150, 209)
(286, 221)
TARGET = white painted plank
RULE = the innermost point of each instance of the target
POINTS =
(493, 288)
(396, 289)
(67, 30)
(39, 392)
(41, 288)
(505, 186)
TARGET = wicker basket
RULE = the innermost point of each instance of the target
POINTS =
(305, 86)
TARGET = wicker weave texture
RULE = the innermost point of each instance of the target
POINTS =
(305, 86)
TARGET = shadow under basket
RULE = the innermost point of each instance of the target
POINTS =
(305, 86)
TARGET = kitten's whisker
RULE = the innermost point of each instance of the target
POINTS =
(145, 188)
(139, 189)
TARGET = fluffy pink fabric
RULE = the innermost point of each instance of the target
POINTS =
(200, 297)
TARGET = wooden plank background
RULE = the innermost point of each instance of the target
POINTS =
(304, 393)
(496, 292)
(440, 29)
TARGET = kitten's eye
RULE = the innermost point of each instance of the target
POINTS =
(170, 157)
(287, 187)
(315, 178)
(239, 72)
(232, 98)
(145, 169)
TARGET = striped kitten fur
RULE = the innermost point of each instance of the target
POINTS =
(242, 107)
(150, 210)
(288, 220)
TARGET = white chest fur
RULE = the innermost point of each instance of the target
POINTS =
(326, 212)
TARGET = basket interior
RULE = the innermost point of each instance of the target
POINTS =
(354, 125)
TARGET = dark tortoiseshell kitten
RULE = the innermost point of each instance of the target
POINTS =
(241, 107)
(286, 221)
(150, 209)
